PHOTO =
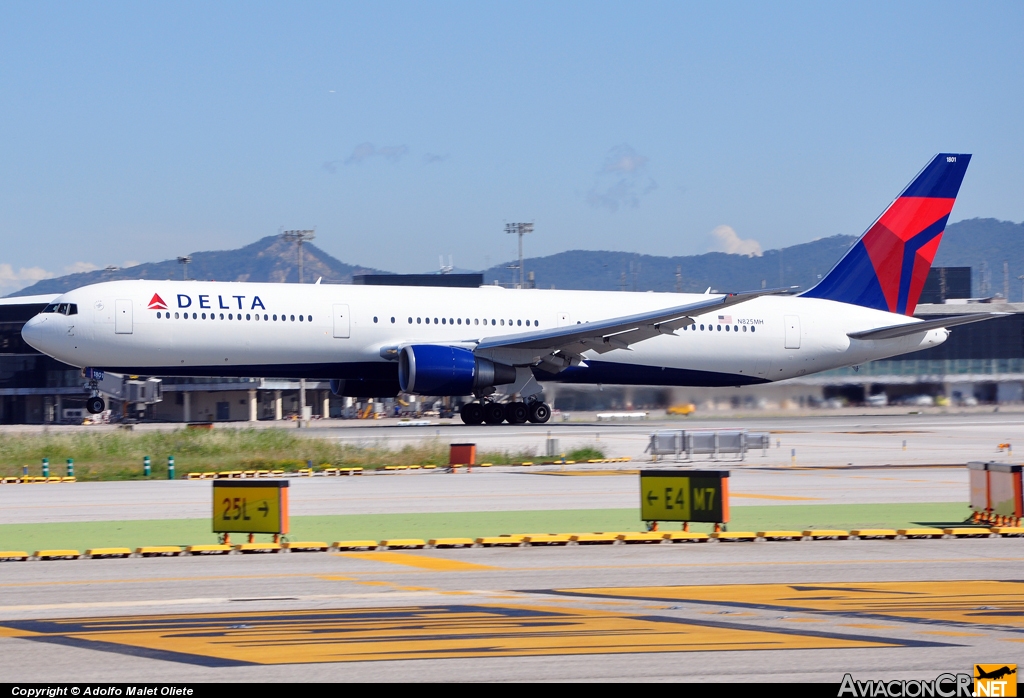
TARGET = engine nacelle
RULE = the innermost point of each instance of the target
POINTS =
(431, 369)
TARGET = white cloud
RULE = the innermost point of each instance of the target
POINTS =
(432, 158)
(623, 159)
(366, 151)
(80, 267)
(621, 181)
(726, 240)
(394, 153)
(13, 280)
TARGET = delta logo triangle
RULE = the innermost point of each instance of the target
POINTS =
(157, 303)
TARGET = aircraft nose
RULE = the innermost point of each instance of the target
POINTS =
(35, 332)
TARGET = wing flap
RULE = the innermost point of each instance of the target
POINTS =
(615, 333)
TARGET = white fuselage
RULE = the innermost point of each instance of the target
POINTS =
(338, 331)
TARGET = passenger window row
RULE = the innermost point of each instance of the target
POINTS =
(712, 328)
(235, 316)
(469, 321)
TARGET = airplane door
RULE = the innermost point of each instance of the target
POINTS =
(792, 323)
(342, 323)
(122, 317)
(564, 320)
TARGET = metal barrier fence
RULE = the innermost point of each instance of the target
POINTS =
(685, 444)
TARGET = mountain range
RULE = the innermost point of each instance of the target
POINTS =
(984, 244)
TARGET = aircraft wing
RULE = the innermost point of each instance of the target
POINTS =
(559, 347)
(893, 331)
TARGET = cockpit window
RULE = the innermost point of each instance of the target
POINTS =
(62, 308)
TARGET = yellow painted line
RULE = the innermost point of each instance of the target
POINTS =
(775, 497)
(427, 562)
(421, 632)
(763, 563)
(978, 602)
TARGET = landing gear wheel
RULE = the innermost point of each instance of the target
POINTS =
(539, 413)
(516, 413)
(95, 405)
(494, 413)
(472, 413)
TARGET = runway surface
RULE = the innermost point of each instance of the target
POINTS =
(733, 611)
(754, 611)
(482, 490)
(821, 440)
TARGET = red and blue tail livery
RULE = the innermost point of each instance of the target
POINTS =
(886, 269)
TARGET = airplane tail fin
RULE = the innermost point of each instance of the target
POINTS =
(886, 269)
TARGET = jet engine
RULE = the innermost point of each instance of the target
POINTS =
(430, 369)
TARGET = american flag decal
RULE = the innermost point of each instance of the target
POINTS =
(727, 319)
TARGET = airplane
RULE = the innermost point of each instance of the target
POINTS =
(995, 674)
(490, 342)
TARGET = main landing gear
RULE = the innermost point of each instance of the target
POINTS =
(511, 412)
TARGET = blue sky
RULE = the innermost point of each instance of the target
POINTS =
(405, 130)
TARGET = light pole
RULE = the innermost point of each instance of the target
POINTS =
(184, 262)
(299, 237)
(520, 229)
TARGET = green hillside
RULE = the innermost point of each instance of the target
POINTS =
(269, 259)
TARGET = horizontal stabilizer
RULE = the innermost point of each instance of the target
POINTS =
(904, 330)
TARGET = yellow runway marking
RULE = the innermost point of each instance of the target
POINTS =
(427, 562)
(962, 602)
(416, 632)
(794, 563)
(534, 568)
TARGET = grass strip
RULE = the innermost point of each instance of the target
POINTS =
(118, 455)
(94, 534)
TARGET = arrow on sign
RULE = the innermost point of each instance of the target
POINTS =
(651, 498)
(265, 509)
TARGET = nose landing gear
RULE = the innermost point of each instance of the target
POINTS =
(95, 404)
